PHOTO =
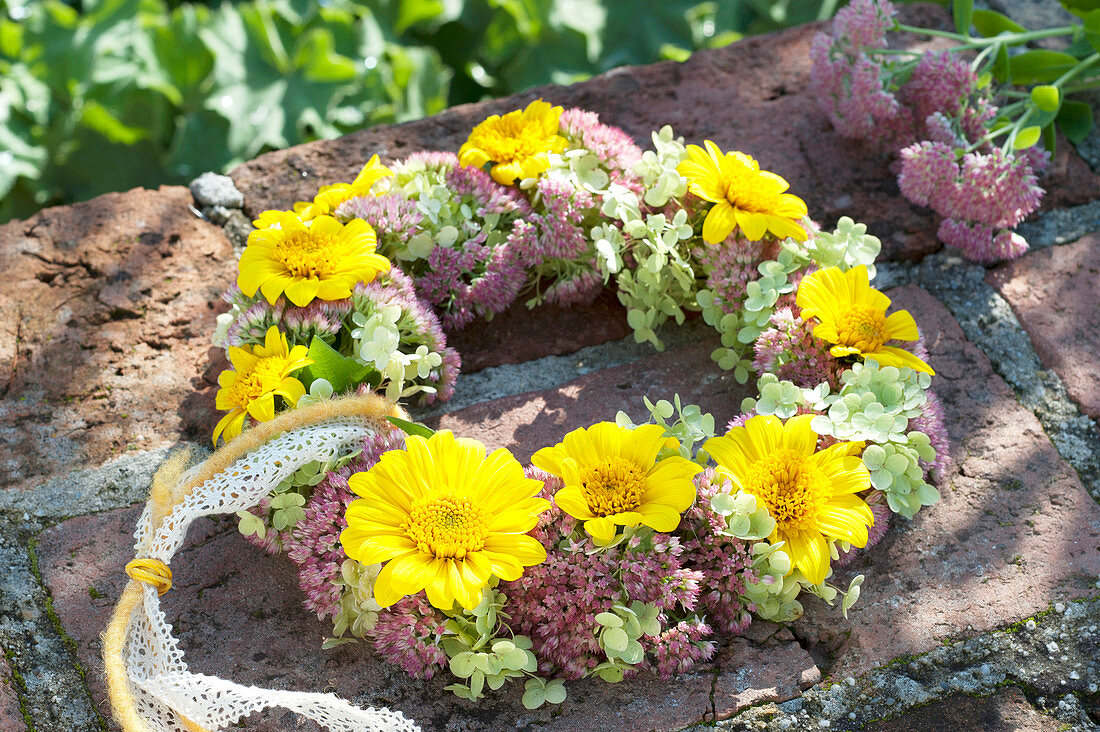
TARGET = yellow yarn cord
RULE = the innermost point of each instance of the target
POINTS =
(168, 490)
(152, 572)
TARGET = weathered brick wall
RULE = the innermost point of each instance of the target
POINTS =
(105, 318)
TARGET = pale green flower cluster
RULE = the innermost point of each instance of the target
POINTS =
(580, 166)
(379, 343)
(895, 471)
(447, 218)
(286, 500)
(477, 652)
(661, 283)
(618, 633)
(357, 612)
(875, 403)
(740, 329)
(775, 593)
(849, 245)
(745, 519)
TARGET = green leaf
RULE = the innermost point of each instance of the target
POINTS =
(1046, 97)
(343, 372)
(555, 691)
(97, 117)
(1080, 7)
(414, 429)
(1027, 137)
(1050, 139)
(962, 11)
(1075, 120)
(1002, 65)
(990, 23)
(1092, 29)
(1040, 66)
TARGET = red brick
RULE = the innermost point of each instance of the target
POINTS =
(238, 615)
(526, 422)
(1055, 292)
(519, 334)
(1014, 532)
(106, 313)
(11, 719)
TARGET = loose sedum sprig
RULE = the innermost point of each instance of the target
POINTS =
(974, 124)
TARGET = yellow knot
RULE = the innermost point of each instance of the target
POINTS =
(151, 572)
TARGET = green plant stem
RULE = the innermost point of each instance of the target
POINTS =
(1011, 139)
(1081, 86)
(1084, 64)
(971, 42)
(990, 137)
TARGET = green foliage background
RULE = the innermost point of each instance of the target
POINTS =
(103, 95)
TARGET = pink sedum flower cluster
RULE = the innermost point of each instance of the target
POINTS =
(980, 197)
(555, 603)
(938, 120)
(789, 350)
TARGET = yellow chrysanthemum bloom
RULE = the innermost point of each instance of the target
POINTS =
(330, 197)
(322, 259)
(272, 217)
(612, 477)
(260, 373)
(743, 195)
(445, 518)
(811, 495)
(852, 315)
(517, 144)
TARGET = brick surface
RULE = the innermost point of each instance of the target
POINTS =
(105, 316)
(238, 615)
(526, 422)
(11, 720)
(753, 95)
(1014, 532)
(519, 334)
(1008, 711)
(1055, 292)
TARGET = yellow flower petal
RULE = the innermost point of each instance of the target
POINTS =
(810, 495)
(809, 553)
(465, 515)
(720, 222)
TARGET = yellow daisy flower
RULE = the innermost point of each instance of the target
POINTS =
(517, 144)
(811, 495)
(852, 315)
(259, 374)
(322, 259)
(612, 477)
(329, 198)
(272, 217)
(445, 518)
(743, 195)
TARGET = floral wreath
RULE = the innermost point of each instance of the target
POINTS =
(623, 547)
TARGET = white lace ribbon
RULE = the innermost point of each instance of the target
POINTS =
(166, 695)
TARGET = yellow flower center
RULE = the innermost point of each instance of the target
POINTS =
(744, 191)
(512, 138)
(306, 254)
(862, 327)
(793, 488)
(446, 526)
(614, 486)
(266, 375)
